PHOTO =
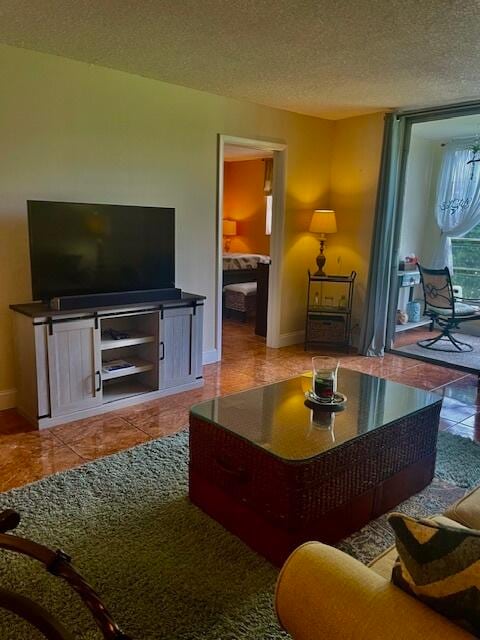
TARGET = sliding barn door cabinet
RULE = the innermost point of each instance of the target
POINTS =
(75, 364)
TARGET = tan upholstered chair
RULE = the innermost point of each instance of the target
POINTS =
(325, 594)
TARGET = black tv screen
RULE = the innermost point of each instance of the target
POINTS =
(99, 248)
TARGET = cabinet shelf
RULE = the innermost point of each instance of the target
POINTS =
(135, 337)
(138, 366)
(121, 389)
(413, 325)
(312, 309)
(342, 279)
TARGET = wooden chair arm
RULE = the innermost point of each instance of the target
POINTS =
(59, 564)
(34, 614)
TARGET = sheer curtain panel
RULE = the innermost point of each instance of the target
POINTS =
(457, 207)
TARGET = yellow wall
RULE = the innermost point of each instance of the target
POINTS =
(244, 202)
(74, 131)
(357, 146)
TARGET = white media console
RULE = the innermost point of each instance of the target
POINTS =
(75, 364)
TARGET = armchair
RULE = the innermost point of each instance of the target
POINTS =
(324, 594)
(445, 310)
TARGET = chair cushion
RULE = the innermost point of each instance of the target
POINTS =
(246, 288)
(467, 510)
(439, 565)
(461, 309)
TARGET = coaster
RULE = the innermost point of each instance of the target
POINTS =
(338, 402)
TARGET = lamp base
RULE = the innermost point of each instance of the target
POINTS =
(321, 260)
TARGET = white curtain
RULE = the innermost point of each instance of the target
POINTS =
(457, 208)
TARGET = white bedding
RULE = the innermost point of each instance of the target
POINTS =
(233, 261)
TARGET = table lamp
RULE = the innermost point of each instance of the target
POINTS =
(323, 221)
(229, 230)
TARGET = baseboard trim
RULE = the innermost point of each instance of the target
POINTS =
(293, 337)
(8, 399)
(210, 356)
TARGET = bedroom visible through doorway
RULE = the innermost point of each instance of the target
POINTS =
(246, 230)
(250, 223)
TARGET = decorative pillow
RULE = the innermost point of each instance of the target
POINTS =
(439, 565)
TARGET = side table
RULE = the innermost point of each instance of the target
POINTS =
(329, 310)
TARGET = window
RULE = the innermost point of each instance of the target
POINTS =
(466, 263)
(268, 215)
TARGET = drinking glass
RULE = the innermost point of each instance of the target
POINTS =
(322, 418)
(324, 379)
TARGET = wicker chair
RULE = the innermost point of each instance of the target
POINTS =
(445, 310)
(58, 564)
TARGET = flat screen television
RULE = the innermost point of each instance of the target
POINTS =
(81, 249)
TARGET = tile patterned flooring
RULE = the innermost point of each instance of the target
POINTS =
(27, 454)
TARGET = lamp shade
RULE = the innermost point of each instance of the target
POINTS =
(323, 221)
(229, 228)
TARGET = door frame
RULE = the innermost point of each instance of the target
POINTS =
(411, 117)
(276, 238)
(399, 149)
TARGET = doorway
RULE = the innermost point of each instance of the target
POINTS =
(250, 221)
(379, 322)
(441, 199)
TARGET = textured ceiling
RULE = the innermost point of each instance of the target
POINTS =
(330, 58)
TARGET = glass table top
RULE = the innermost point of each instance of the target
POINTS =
(275, 417)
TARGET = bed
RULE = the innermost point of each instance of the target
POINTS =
(250, 267)
(242, 267)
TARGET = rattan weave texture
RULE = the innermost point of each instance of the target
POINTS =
(296, 493)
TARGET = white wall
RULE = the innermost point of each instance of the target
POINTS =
(419, 229)
(420, 232)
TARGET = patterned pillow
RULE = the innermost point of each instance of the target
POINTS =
(440, 565)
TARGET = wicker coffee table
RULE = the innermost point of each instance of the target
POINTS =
(277, 474)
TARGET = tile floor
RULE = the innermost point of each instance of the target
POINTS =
(27, 454)
(402, 338)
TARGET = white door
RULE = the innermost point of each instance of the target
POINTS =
(176, 356)
(74, 363)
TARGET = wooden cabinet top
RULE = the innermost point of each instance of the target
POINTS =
(39, 310)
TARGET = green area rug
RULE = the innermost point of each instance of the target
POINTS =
(165, 569)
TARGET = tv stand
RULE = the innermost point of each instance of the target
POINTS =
(78, 363)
